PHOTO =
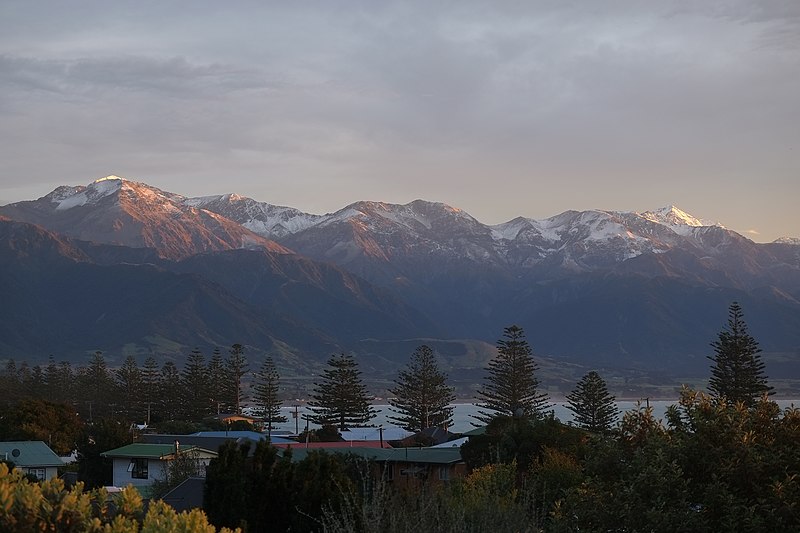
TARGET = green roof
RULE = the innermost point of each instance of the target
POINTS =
(150, 451)
(394, 455)
(477, 431)
(29, 453)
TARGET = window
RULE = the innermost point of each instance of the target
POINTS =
(39, 473)
(444, 473)
(388, 471)
(138, 468)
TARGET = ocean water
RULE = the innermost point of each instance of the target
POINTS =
(463, 413)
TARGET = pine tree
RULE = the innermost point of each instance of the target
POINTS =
(129, 384)
(594, 408)
(512, 388)
(218, 383)
(422, 396)
(151, 382)
(341, 398)
(737, 374)
(236, 366)
(97, 387)
(267, 384)
(170, 392)
(194, 386)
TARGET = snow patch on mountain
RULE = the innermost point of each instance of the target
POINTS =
(70, 197)
(679, 221)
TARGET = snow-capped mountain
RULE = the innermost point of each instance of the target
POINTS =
(394, 233)
(114, 210)
(624, 286)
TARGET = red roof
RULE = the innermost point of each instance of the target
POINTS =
(338, 444)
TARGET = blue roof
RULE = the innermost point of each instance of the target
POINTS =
(29, 453)
(252, 435)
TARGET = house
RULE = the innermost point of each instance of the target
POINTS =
(407, 467)
(32, 457)
(141, 464)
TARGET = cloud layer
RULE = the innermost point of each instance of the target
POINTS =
(515, 108)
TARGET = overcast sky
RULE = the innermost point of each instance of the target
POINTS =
(500, 108)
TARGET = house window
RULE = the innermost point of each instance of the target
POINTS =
(444, 473)
(388, 470)
(39, 473)
(138, 468)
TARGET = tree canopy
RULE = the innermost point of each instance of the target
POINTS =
(594, 407)
(737, 373)
(422, 396)
(511, 387)
(341, 398)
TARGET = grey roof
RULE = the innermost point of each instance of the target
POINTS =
(374, 434)
(29, 453)
(187, 495)
(456, 443)
(392, 455)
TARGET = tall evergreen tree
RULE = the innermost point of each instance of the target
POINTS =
(594, 407)
(218, 383)
(151, 382)
(170, 392)
(422, 396)
(738, 371)
(97, 388)
(237, 368)
(511, 388)
(129, 385)
(265, 393)
(341, 398)
(194, 386)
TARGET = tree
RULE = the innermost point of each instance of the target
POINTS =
(194, 385)
(422, 396)
(341, 398)
(738, 371)
(97, 387)
(594, 408)
(217, 382)
(129, 384)
(170, 391)
(512, 388)
(237, 368)
(267, 384)
(56, 424)
(150, 384)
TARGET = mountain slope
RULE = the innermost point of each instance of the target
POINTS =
(117, 211)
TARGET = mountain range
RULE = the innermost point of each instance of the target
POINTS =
(125, 267)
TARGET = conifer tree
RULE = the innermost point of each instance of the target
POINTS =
(511, 388)
(738, 371)
(341, 398)
(129, 384)
(194, 386)
(265, 389)
(151, 382)
(218, 383)
(422, 396)
(594, 407)
(170, 392)
(237, 368)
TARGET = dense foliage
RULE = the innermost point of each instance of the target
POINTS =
(737, 374)
(265, 394)
(594, 407)
(422, 396)
(49, 506)
(511, 387)
(341, 399)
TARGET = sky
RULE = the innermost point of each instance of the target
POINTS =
(502, 109)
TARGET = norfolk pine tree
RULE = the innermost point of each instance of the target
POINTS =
(341, 398)
(236, 367)
(422, 396)
(265, 393)
(511, 388)
(738, 371)
(594, 408)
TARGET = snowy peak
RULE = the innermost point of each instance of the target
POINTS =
(267, 220)
(678, 220)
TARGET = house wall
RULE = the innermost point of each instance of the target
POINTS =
(123, 478)
(49, 471)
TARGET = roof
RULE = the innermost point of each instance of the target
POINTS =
(395, 455)
(452, 443)
(151, 451)
(293, 444)
(372, 433)
(187, 495)
(29, 453)
(477, 431)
